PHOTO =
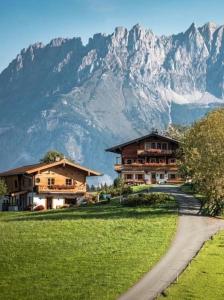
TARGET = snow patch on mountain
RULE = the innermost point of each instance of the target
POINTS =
(81, 99)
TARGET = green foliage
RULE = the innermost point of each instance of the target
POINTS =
(188, 188)
(118, 182)
(204, 159)
(3, 188)
(118, 188)
(114, 191)
(140, 188)
(146, 199)
(70, 253)
(176, 131)
(54, 155)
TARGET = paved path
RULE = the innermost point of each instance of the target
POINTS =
(193, 230)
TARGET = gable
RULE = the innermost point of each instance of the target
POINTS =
(34, 169)
(141, 140)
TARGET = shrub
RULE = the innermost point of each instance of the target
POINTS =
(146, 199)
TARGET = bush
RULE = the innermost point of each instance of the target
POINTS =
(146, 199)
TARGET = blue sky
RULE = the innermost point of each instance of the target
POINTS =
(23, 22)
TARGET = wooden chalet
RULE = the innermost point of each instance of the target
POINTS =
(51, 185)
(149, 159)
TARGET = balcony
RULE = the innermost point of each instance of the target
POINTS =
(118, 167)
(61, 189)
(155, 152)
(145, 166)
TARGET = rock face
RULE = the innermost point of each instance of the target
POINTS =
(81, 99)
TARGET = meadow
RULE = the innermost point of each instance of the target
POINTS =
(93, 252)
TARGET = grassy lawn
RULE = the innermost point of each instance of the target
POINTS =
(85, 253)
(140, 188)
(204, 279)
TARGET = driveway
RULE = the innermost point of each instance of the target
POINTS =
(193, 230)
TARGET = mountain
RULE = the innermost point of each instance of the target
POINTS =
(81, 99)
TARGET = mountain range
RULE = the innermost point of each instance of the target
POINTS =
(81, 99)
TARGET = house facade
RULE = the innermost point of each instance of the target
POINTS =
(148, 159)
(51, 185)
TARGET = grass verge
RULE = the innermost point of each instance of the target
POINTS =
(85, 253)
(205, 277)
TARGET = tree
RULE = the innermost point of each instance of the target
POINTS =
(92, 188)
(203, 157)
(3, 188)
(176, 131)
(54, 155)
(118, 182)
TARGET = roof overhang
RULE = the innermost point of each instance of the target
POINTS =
(118, 148)
(32, 169)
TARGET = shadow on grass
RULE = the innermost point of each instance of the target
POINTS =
(97, 212)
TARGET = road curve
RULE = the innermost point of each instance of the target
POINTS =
(193, 230)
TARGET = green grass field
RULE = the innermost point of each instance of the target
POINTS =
(86, 253)
(140, 188)
(204, 279)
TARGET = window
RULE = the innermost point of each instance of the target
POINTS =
(139, 176)
(172, 176)
(129, 161)
(71, 201)
(68, 181)
(147, 145)
(153, 175)
(140, 161)
(16, 183)
(37, 180)
(172, 160)
(51, 181)
(153, 160)
(158, 146)
(153, 145)
(161, 176)
(129, 176)
(164, 146)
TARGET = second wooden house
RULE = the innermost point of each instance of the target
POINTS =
(148, 159)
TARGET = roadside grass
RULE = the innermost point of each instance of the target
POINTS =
(140, 188)
(93, 252)
(204, 279)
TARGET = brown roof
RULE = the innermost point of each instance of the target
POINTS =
(30, 169)
(117, 149)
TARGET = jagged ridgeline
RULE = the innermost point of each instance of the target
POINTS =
(81, 99)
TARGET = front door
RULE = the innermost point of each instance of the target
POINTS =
(153, 177)
(49, 202)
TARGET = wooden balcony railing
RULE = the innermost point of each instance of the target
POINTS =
(154, 152)
(61, 188)
(118, 167)
(143, 166)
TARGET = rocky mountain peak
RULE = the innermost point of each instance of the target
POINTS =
(81, 99)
